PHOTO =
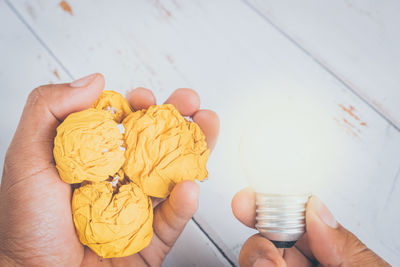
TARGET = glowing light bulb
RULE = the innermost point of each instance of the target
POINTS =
(287, 147)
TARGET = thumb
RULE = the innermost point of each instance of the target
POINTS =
(31, 148)
(170, 218)
(333, 245)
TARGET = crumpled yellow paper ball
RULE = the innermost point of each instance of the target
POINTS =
(114, 103)
(112, 224)
(112, 210)
(88, 147)
(162, 149)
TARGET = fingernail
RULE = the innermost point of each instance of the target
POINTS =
(260, 262)
(84, 81)
(323, 212)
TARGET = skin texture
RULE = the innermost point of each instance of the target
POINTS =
(36, 227)
(326, 243)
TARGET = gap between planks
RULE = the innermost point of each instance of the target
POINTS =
(323, 65)
(37, 37)
(52, 54)
(221, 251)
(326, 67)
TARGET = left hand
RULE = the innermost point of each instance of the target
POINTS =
(36, 226)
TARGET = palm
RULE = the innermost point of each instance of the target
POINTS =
(36, 223)
(45, 215)
(50, 205)
(53, 230)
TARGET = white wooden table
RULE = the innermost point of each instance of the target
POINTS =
(347, 52)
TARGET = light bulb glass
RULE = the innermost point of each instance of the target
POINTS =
(287, 146)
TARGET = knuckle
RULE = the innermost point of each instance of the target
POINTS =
(352, 243)
(10, 168)
(256, 247)
(10, 160)
(35, 95)
(8, 163)
(38, 94)
(363, 256)
(356, 252)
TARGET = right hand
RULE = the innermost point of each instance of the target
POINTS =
(326, 243)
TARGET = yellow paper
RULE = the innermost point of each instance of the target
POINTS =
(113, 103)
(112, 225)
(163, 148)
(88, 147)
(111, 209)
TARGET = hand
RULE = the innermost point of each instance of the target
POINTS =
(36, 226)
(326, 243)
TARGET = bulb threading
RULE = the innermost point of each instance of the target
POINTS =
(281, 218)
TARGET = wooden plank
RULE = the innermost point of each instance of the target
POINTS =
(188, 250)
(357, 40)
(27, 64)
(227, 57)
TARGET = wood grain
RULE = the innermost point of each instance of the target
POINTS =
(26, 64)
(231, 55)
(356, 40)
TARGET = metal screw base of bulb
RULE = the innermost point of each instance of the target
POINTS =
(281, 218)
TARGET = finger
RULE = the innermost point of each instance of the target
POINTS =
(333, 245)
(46, 106)
(171, 217)
(209, 123)
(259, 251)
(244, 207)
(156, 201)
(303, 246)
(293, 257)
(187, 101)
(141, 98)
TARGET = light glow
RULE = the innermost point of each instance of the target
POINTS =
(287, 145)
